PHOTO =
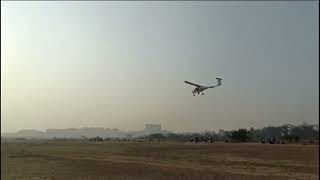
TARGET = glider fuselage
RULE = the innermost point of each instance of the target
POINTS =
(199, 89)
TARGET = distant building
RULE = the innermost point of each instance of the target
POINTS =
(287, 129)
(221, 132)
(153, 129)
(316, 127)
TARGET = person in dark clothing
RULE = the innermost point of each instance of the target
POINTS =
(196, 140)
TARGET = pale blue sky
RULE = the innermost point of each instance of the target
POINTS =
(122, 64)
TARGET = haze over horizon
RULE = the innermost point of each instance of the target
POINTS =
(122, 64)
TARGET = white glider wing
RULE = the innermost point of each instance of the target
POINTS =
(192, 83)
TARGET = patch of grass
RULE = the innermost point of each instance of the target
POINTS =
(130, 160)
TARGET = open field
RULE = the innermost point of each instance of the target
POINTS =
(157, 161)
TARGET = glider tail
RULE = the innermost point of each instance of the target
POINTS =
(218, 84)
(219, 81)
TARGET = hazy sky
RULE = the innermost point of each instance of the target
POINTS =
(122, 64)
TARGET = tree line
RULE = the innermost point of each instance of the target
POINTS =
(271, 134)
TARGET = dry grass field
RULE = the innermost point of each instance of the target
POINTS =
(53, 160)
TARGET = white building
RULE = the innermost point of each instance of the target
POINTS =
(153, 129)
(221, 132)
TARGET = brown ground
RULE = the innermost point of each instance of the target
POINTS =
(165, 161)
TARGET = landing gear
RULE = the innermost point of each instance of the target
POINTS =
(193, 94)
(202, 93)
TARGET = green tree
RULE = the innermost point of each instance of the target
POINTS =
(241, 135)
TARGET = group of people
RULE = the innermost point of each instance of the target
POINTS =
(201, 139)
(272, 140)
(96, 139)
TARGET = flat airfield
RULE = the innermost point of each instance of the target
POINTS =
(76, 160)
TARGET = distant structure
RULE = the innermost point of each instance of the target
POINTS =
(148, 130)
(153, 129)
(221, 132)
(316, 127)
(287, 129)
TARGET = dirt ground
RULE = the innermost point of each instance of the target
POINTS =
(53, 160)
